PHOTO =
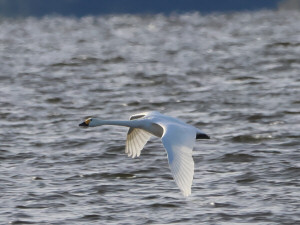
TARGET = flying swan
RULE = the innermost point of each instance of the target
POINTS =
(177, 137)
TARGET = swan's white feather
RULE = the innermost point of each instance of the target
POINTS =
(136, 138)
(135, 142)
(179, 142)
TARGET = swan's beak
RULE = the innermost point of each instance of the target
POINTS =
(85, 123)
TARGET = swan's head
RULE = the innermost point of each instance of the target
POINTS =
(86, 123)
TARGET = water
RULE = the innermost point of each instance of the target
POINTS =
(235, 76)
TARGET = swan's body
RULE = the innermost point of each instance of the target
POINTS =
(177, 137)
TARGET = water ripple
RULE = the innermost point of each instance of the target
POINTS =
(235, 76)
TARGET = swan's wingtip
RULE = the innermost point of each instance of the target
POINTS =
(186, 193)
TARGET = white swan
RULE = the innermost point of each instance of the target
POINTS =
(177, 137)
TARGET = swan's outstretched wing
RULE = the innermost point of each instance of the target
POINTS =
(136, 138)
(179, 142)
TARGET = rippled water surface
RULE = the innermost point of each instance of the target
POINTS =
(235, 76)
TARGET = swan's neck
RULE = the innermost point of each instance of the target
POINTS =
(129, 123)
(146, 125)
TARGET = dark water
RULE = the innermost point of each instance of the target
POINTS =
(235, 76)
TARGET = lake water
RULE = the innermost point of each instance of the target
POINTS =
(234, 76)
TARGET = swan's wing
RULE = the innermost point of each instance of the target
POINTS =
(136, 138)
(179, 142)
(138, 116)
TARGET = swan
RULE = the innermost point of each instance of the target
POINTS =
(177, 137)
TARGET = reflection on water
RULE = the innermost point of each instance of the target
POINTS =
(235, 76)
